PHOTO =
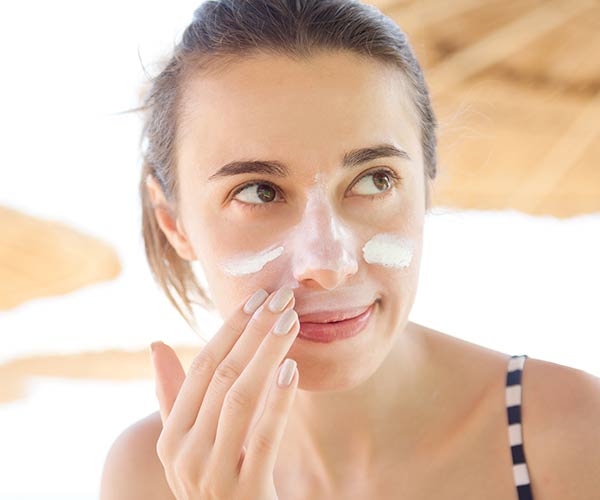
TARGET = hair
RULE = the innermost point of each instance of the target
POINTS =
(223, 31)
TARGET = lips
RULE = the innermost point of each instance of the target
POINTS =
(331, 316)
(326, 333)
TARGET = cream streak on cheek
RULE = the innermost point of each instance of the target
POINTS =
(252, 263)
(388, 249)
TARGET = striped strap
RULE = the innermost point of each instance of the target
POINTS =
(515, 431)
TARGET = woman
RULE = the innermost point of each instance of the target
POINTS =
(289, 151)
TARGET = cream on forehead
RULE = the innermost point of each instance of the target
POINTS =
(388, 249)
(251, 263)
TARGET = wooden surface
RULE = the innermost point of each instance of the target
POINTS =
(42, 258)
(111, 364)
(516, 88)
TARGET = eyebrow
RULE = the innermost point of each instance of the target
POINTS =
(275, 168)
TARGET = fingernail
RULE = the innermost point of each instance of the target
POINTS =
(256, 300)
(280, 299)
(286, 372)
(285, 322)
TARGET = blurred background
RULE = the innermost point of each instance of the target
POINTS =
(512, 245)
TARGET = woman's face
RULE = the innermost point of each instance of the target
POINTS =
(342, 227)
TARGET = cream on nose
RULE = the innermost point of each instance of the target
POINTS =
(321, 242)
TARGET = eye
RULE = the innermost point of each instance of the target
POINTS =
(264, 191)
(384, 180)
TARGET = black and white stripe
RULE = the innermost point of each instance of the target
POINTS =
(515, 431)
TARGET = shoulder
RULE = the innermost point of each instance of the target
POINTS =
(561, 429)
(132, 468)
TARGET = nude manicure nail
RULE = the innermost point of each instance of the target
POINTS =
(256, 300)
(286, 373)
(285, 322)
(280, 299)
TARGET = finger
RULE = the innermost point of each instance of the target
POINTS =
(261, 454)
(236, 415)
(201, 370)
(232, 367)
(169, 376)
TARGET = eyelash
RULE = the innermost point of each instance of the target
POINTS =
(395, 180)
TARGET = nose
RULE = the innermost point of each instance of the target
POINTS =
(323, 278)
(324, 257)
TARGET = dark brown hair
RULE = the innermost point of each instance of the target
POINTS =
(223, 31)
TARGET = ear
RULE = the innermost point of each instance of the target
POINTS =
(168, 221)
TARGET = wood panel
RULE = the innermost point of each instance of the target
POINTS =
(515, 86)
(41, 258)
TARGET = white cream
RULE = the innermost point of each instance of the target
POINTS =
(320, 240)
(388, 249)
(251, 263)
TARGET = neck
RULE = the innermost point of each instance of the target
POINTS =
(340, 432)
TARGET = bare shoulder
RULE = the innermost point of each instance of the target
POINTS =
(561, 430)
(560, 414)
(132, 469)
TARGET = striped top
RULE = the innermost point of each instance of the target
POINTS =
(515, 433)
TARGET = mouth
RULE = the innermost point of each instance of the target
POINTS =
(333, 316)
(330, 331)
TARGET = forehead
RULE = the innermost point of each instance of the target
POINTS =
(271, 106)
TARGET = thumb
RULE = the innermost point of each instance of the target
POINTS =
(169, 377)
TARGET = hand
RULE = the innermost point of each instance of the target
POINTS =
(207, 413)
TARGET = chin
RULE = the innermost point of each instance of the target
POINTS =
(343, 373)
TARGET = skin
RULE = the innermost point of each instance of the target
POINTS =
(410, 391)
